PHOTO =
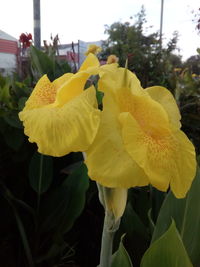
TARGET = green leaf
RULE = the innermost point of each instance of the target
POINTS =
(8, 196)
(5, 94)
(21, 102)
(131, 222)
(63, 205)
(3, 81)
(99, 96)
(58, 247)
(120, 257)
(151, 222)
(42, 63)
(40, 172)
(167, 251)
(186, 214)
(13, 120)
(49, 64)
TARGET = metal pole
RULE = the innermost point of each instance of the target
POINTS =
(161, 22)
(36, 18)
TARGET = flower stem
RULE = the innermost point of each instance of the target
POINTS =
(39, 184)
(109, 229)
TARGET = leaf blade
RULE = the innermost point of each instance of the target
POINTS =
(168, 249)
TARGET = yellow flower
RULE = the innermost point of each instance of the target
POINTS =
(194, 75)
(94, 49)
(139, 140)
(61, 116)
(112, 59)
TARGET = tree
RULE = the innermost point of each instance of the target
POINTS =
(193, 64)
(145, 57)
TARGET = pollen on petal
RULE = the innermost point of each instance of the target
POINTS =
(43, 94)
(149, 114)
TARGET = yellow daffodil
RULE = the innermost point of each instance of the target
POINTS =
(94, 49)
(139, 140)
(61, 116)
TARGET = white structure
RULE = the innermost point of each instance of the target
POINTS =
(82, 48)
(8, 53)
(75, 54)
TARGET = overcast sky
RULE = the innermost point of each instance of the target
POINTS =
(85, 20)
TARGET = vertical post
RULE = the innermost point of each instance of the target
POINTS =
(161, 23)
(36, 18)
(79, 54)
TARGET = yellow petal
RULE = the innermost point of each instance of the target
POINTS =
(61, 80)
(115, 79)
(144, 151)
(107, 160)
(109, 68)
(43, 94)
(61, 130)
(166, 99)
(164, 158)
(149, 114)
(91, 61)
(186, 164)
(72, 88)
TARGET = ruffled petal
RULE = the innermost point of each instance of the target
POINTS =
(61, 130)
(149, 114)
(145, 151)
(45, 91)
(166, 99)
(160, 156)
(107, 160)
(185, 163)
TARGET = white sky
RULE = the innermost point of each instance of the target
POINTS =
(85, 19)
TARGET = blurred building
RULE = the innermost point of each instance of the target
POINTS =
(8, 53)
(13, 56)
(75, 53)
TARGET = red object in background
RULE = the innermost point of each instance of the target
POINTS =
(130, 55)
(72, 57)
(25, 39)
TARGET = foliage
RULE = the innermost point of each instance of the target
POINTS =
(43, 63)
(38, 203)
(174, 254)
(151, 63)
(187, 93)
(185, 212)
(193, 64)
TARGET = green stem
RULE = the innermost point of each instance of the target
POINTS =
(109, 229)
(24, 239)
(39, 184)
(22, 233)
